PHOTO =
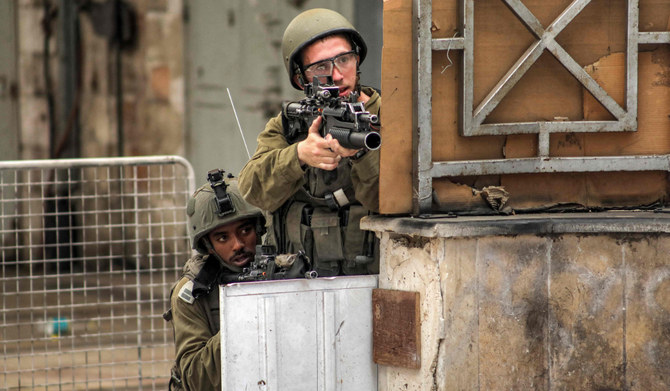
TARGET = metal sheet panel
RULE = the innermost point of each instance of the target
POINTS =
(298, 335)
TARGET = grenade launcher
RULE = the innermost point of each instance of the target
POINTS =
(343, 118)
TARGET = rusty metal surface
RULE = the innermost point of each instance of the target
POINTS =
(654, 37)
(422, 95)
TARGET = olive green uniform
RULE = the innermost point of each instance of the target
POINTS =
(273, 175)
(194, 299)
(275, 181)
(195, 316)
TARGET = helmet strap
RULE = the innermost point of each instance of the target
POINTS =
(299, 79)
(357, 88)
(210, 249)
(355, 47)
(260, 230)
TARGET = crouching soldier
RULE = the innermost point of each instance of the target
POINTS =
(224, 230)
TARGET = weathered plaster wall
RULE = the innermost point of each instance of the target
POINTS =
(153, 103)
(152, 83)
(34, 133)
(567, 310)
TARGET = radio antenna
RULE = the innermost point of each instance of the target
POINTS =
(238, 123)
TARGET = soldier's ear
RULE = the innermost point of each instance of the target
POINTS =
(299, 80)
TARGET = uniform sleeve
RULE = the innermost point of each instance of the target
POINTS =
(273, 174)
(198, 351)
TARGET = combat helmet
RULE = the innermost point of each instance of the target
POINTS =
(217, 203)
(311, 25)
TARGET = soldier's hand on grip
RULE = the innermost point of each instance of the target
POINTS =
(315, 151)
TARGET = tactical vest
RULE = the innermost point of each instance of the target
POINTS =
(323, 219)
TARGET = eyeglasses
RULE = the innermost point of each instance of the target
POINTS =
(344, 62)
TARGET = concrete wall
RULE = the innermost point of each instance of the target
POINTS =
(152, 112)
(547, 302)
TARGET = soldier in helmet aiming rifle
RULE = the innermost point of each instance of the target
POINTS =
(317, 189)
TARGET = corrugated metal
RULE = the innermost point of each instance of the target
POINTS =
(298, 335)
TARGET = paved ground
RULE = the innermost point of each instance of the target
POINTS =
(113, 336)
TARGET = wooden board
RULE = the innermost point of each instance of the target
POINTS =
(594, 39)
(652, 137)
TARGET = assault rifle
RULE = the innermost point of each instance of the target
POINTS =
(343, 118)
(268, 265)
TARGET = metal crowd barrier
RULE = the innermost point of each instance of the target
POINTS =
(89, 250)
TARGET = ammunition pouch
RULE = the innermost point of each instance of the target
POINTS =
(298, 232)
(323, 219)
(328, 241)
(355, 242)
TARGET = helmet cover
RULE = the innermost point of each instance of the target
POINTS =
(203, 214)
(310, 26)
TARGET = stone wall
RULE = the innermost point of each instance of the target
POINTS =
(504, 308)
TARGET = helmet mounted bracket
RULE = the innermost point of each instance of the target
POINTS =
(224, 204)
